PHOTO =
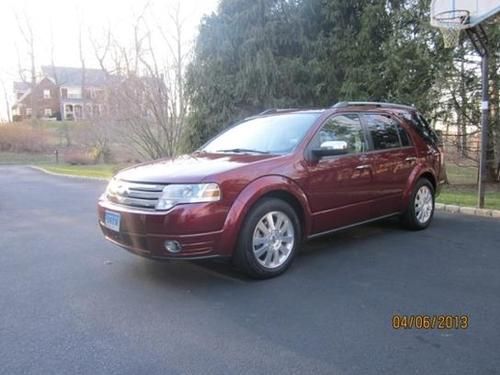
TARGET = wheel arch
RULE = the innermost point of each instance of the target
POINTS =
(417, 173)
(432, 179)
(271, 186)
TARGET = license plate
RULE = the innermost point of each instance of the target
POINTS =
(112, 220)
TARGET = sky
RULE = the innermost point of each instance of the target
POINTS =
(57, 24)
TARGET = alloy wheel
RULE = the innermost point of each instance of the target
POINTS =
(273, 239)
(423, 204)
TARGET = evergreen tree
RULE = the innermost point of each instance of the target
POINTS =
(253, 55)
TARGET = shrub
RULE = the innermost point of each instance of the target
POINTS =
(78, 156)
(23, 138)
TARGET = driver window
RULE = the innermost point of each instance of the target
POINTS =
(342, 131)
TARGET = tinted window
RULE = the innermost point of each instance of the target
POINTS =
(383, 132)
(344, 129)
(422, 127)
(403, 135)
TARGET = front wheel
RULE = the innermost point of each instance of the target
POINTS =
(269, 239)
(420, 210)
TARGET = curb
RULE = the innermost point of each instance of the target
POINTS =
(467, 210)
(43, 170)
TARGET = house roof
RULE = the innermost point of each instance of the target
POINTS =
(66, 76)
(21, 86)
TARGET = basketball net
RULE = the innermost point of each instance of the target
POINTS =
(451, 23)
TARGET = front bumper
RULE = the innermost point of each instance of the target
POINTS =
(197, 227)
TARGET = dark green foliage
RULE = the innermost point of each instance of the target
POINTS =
(253, 55)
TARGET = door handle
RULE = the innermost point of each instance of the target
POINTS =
(364, 166)
(411, 159)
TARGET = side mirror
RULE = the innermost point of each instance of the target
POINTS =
(330, 148)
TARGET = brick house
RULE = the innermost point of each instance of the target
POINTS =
(62, 93)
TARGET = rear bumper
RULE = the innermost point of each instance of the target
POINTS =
(197, 228)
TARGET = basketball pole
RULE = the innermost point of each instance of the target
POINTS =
(484, 131)
(479, 39)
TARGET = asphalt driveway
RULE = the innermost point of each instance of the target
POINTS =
(70, 303)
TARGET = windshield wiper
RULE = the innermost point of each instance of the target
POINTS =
(243, 150)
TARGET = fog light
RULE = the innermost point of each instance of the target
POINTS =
(173, 246)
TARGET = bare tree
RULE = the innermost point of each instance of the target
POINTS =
(147, 89)
(83, 88)
(26, 31)
(53, 56)
(7, 103)
(102, 50)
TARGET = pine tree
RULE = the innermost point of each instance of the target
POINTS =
(253, 55)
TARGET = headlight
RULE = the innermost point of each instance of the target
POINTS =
(111, 188)
(193, 193)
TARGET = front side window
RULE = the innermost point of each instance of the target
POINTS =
(383, 132)
(342, 132)
(264, 135)
(46, 94)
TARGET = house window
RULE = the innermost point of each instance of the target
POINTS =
(46, 94)
(88, 110)
(28, 111)
(74, 93)
(47, 112)
(90, 93)
(64, 93)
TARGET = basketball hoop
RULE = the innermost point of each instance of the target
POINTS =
(451, 23)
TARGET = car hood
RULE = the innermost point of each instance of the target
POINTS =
(188, 168)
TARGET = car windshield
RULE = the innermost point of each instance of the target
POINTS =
(264, 135)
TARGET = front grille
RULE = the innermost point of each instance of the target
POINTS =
(133, 194)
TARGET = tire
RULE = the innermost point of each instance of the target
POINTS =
(261, 251)
(423, 197)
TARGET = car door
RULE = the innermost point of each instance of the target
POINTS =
(339, 187)
(392, 157)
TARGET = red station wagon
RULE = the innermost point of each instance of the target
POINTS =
(257, 190)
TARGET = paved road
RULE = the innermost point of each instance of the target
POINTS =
(70, 303)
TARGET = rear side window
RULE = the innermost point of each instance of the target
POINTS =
(383, 132)
(422, 127)
(403, 135)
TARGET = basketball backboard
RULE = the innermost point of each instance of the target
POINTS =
(477, 10)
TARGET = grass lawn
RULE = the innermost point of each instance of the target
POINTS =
(99, 170)
(461, 175)
(468, 198)
(462, 190)
(12, 158)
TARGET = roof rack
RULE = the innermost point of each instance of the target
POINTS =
(372, 104)
(276, 110)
